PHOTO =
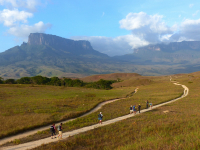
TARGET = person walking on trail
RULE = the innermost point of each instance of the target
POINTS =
(100, 117)
(147, 104)
(53, 131)
(60, 131)
(139, 107)
(150, 104)
(131, 109)
(134, 109)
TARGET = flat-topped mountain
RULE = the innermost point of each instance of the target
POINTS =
(62, 44)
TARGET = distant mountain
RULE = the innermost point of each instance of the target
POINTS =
(50, 55)
(186, 52)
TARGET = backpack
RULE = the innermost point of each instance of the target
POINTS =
(52, 129)
(59, 128)
(99, 115)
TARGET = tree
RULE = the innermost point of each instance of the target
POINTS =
(55, 81)
(40, 80)
(1, 80)
(10, 81)
(24, 80)
(68, 82)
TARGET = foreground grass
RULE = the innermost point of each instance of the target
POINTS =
(155, 93)
(178, 129)
(23, 107)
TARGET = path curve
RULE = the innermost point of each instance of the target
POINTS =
(34, 144)
(25, 134)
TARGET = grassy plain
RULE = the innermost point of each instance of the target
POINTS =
(23, 107)
(155, 130)
(157, 91)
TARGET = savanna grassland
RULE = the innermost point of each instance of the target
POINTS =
(155, 89)
(24, 107)
(154, 130)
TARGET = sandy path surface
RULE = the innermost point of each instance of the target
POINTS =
(34, 144)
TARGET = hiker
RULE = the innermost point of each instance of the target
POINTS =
(139, 107)
(100, 117)
(134, 109)
(131, 109)
(60, 131)
(53, 131)
(147, 104)
(150, 104)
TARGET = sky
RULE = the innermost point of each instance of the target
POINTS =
(113, 27)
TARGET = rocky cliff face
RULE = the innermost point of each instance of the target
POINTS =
(56, 41)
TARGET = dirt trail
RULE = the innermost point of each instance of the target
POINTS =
(84, 129)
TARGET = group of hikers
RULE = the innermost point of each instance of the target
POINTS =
(133, 109)
(53, 128)
(53, 131)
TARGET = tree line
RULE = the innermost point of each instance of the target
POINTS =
(68, 82)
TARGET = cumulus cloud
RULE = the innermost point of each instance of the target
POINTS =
(16, 16)
(10, 17)
(189, 30)
(113, 46)
(23, 31)
(28, 4)
(150, 28)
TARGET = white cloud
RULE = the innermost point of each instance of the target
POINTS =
(189, 30)
(149, 28)
(23, 31)
(114, 46)
(195, 13)
(16, 18)
(10, 17)
(28, 4)
(191, 5)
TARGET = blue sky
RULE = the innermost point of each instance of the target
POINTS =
(114, 27)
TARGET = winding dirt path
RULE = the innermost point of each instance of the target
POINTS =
(34, 144)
